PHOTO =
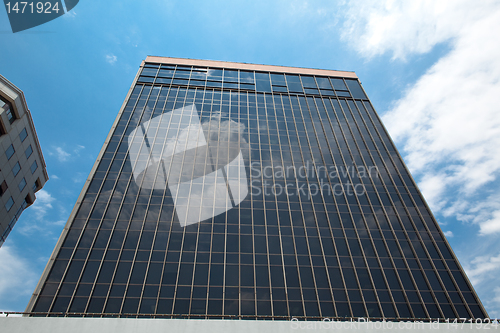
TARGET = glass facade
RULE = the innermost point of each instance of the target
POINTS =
(256, 194)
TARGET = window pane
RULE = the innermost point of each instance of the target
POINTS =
(338, 84)
(294, 84)
(9, 152)
(262, 81)
(23, 135)
(230, 75)
(355, 89)
(9, 204)
(28, 151)
(278, 79)
(323, 83)
(3, 188)
(16, 168)
(308, 82)
(246, 77)
(22, 184)
(34, 166)
(10, 116)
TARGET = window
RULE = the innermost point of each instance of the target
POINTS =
(22, 184)
(23, 135)
(36, 185)
(3, 188)
(28, 151)
(16, 168)
(9, 152)
(10, 116)
(27, 201)
(9, 204)
(7, 107)
(34, 166)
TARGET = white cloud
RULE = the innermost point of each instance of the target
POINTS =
(16, 277)
(59, 223)
(375, 27)
(62, 155)
(43, 203)
(483, 271)
(111, 58)
(480, 267)
(433, 185)
(70, 15)
(45, 216)
(495, 304)
(448, 233)
(77, 150)
(79, 177)
(491, 225)
(448, 121)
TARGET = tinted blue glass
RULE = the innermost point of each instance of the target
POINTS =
(230, 75)
(9, 152)
(308, 82)
(22, 184)
(355, 89)
(23, 135)
(16, 169)
(338, 84)
(28, 151)
(278, 80)
(294, 84)
(262, 82)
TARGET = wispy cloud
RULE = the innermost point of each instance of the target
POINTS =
(45, 216)
(77, 150)
(63, 155)
(71, 14)
(448, 233)
(481, 266)
(111, 59)
(403, 28)
(43, 204)
(79, 177)
(483, 271)
(16, 276)
(495, 303)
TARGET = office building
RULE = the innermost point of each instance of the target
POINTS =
(22, 167)
(231, 190)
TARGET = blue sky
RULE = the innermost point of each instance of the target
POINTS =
(431, 69)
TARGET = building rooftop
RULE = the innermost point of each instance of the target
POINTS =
(250, 67)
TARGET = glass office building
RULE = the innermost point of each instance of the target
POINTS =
(230, 190)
